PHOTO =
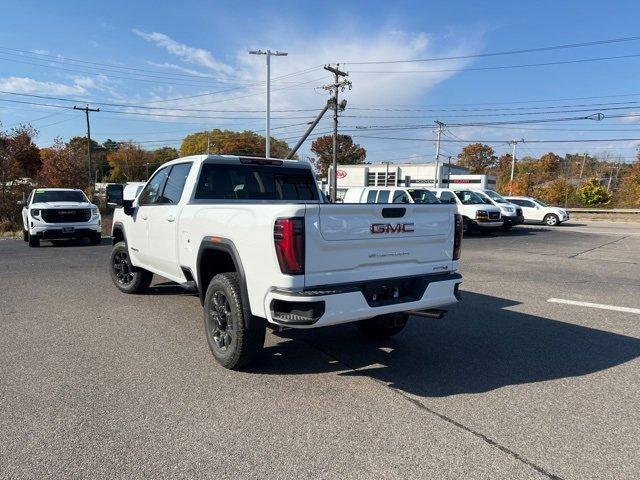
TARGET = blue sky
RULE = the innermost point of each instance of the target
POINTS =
(142, 54)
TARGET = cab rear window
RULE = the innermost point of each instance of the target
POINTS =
(255, 182)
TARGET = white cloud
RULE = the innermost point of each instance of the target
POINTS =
(173, 66)
(196, 56)
(29, 85)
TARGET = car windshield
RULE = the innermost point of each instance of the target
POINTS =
(496, 197)
(467, 197)
(422, 196)
(59, 196)
(541, 203)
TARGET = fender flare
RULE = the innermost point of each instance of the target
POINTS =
(118, 226)
(227, 246)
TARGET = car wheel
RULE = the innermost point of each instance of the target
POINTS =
(25, 235)
(95, 239)
(551, 219)
(231, 342)
(33, 240)
(383, 326)
(125, 276)
(506, 226)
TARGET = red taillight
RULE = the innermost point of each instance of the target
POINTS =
(288, 236)
(457, 238)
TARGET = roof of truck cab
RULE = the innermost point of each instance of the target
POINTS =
(238, 158)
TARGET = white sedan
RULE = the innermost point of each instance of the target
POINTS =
(535, 210)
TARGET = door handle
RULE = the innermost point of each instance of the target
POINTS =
(170, 217)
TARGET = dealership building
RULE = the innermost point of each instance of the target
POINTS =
(408, 175)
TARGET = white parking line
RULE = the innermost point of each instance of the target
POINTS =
(596, 305)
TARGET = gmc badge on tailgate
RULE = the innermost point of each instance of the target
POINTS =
(391, 228)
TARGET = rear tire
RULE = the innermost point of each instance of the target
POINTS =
(231, 342)
(466, 226)
(125, 276)
(383, 326)
(33, 241)
(95, 239)
(551, 220)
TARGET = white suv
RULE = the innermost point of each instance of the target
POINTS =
(535, 210)
(53, 213)
(477, 214)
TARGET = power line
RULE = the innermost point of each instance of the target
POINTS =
(507, 52)
(499, 67)
(580, 140)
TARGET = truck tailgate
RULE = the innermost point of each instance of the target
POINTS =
(354, 242)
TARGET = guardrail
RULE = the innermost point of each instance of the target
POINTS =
(605, 211)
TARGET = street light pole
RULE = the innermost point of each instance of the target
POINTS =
(268, 53)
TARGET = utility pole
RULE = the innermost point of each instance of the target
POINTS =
(268, 53)
(584, 159)
(86, 111)
(312, 125)
(436, 177)
(513, 161)
(334, 88)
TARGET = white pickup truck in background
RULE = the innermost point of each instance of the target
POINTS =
(56, 213)
(256, 239)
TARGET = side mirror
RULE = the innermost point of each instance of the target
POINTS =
(21, 203)
(114, 195)
(128, 207)
(487, 201)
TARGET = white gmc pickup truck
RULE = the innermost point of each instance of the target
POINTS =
(256, 239)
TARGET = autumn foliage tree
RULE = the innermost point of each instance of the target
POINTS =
(129, 163)
(349, 153)
(477, 157)
(628, 194)
(19, 162)
(63, 166)
(228, 142)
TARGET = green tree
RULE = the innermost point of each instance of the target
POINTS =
(349, 153)
(593, 193)
(164, 154)
(477, 157)
(228, 142)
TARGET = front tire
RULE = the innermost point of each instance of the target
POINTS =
(506, 227)
(25, 235)
(232, 344)
(33, 241)
(95, 239)
(383, 326)
(125, 276)
(552, 220)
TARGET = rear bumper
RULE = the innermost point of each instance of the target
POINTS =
(345, 304)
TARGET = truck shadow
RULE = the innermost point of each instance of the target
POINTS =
(478, 347)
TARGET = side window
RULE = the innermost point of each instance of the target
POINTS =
(447, 197)
(517, 202)
(371, 197)
(528, 203)
(152, 190)
(400, 197)
(175, 183)
(383, 196)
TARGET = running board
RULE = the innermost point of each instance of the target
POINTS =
(190, 286)
(431, 313)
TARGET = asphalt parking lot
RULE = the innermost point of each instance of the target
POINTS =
(97, 384)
